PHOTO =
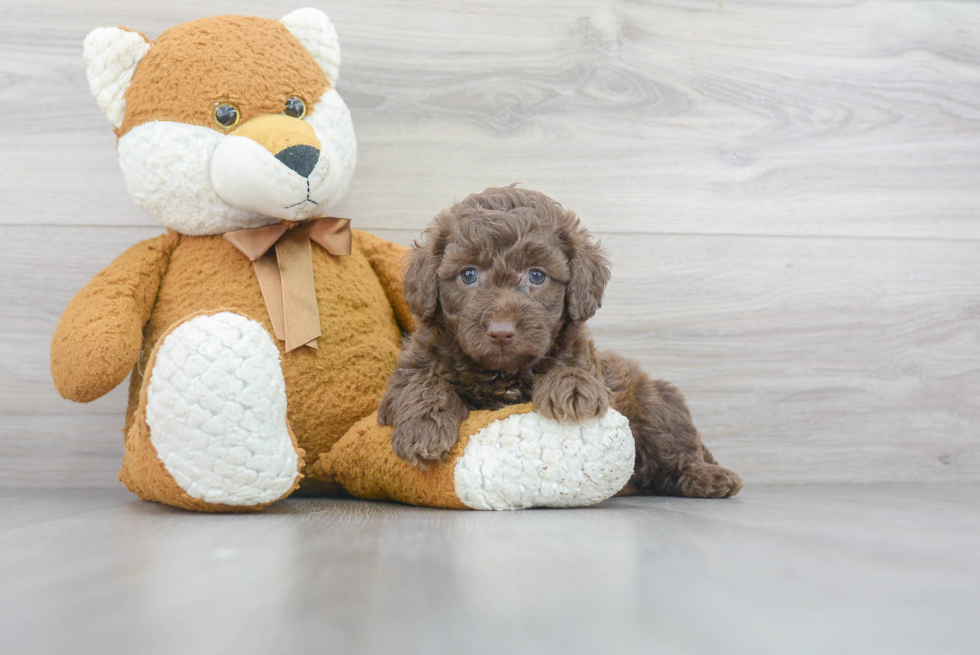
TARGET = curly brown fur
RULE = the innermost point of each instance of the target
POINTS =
(670, 458)
(501, 286)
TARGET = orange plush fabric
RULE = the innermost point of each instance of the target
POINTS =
(116, 323)
(252, 63)
(100, 335)
(165, 280)
(327, 389)
(364, 463)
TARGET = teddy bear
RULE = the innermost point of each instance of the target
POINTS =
(258, 331)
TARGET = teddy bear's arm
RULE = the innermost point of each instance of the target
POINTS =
(99, 336)
(386, 260)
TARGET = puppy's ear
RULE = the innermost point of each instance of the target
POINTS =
(421, 282)
(421, 285)
(588, 264)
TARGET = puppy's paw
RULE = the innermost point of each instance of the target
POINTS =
(570, 394)
(421, 440)
(708, 481)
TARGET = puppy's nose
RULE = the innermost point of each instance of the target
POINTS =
(500, 333)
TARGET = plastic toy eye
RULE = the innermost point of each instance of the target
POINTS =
(295, 107)
(468, 276)
(536, 276)
(226, 115)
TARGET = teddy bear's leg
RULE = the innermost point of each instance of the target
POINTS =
(507, 459)
(210, 431)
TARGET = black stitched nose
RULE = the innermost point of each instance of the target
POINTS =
(301, 159)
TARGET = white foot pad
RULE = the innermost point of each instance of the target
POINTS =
(216, 408)
(526, 460)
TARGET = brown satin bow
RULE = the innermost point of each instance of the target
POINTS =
(286, 275)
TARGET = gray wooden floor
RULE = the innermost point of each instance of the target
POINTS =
(809, 569)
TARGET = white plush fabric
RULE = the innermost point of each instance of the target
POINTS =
(314, 30)
(199, 181)
(111, 55)
(246, 175)
(167, 169)
(216, 408)
(335, 130)
(526, 460)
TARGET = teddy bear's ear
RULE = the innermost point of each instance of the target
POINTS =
(111, 55)
(317, 34)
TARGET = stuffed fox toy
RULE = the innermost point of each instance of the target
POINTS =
(258, 331)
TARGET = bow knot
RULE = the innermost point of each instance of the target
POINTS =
(282, 256)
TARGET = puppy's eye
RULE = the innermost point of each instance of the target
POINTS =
(468, 275)
(295, 107)
(536, 276)
(226, 115)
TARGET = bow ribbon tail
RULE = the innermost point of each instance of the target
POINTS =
(270, 282)
(301, 321)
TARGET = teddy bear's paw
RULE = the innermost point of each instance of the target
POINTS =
(216, 409)
(526, 460)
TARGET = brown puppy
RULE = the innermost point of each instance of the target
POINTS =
(501, 287)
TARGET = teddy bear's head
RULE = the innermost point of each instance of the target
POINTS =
(229, 122)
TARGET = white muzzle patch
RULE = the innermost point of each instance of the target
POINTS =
(247, 176)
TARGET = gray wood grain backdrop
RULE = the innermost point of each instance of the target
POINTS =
(790, 192)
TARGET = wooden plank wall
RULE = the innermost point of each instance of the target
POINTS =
(790, 192)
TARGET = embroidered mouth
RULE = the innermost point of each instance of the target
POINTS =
(314, 202)
(307, 199)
